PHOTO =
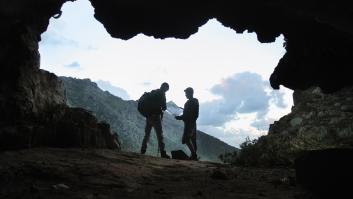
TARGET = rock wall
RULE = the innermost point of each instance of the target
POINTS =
(59, 126)
(32, 101)
(25, 90)
(318, 121)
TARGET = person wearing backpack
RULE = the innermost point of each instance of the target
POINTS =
(189, 116)
(151, 105)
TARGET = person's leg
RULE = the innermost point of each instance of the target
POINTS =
(157, 124)
(193, 140)
(188, 140)
(192, 149)
(193, 137)
(148, 129)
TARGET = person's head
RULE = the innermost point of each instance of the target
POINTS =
(165, 87)
(189, 92)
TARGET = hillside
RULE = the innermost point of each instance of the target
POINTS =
(127, 122)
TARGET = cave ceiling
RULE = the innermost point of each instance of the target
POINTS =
(318, 34)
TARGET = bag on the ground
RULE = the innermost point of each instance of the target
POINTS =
(179, 155)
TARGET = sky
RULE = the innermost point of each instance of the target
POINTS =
(229, 72)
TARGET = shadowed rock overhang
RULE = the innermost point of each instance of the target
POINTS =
(318, 33)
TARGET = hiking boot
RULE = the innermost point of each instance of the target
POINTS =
(165, 155)
(143, 150)
(194, 157)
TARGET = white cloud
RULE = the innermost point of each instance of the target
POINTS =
(278, 98)
(243, 106)
(240, 93)
(74, 64)
(54, 39)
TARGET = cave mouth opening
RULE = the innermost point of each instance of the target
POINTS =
(229, 72)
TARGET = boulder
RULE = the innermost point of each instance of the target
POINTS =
(62, 127)
(327, 173)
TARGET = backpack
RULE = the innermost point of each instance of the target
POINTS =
(147, 103)
(179, 155)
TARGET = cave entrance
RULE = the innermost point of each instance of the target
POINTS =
(228, 71)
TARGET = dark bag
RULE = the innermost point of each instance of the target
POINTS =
(179, 155)
(147, 103)
(141, 104)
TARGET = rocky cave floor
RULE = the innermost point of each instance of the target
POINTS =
(104, 174)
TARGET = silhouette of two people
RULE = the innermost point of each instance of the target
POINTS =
(154, 115)
(153, 104)
(189, 116)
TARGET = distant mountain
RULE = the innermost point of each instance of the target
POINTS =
(173, 109)
(117, 91)
(129, 124)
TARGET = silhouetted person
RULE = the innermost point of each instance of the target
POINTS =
(154, 117)
(189, 116)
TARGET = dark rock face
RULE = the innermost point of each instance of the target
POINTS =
(327, 173)
(318, 33)
(62, 127)
(32, 101)
(25, 90)
(318, 121)
(318, 55)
